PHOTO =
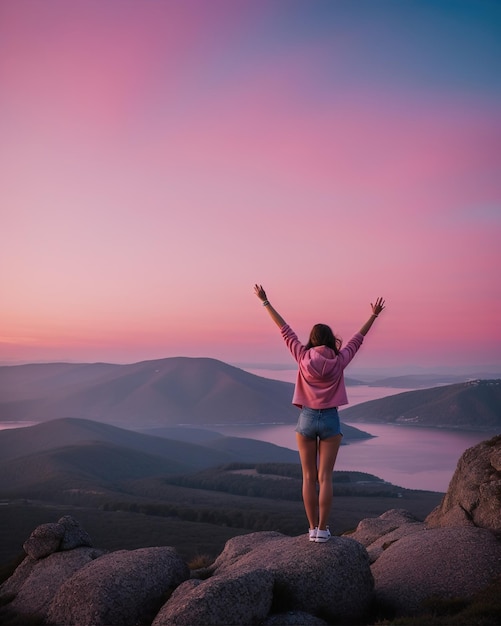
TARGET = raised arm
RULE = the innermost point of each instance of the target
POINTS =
(376, 310)
(275, 316)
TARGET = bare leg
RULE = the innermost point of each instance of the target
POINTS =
(308, 454)
(327, 453)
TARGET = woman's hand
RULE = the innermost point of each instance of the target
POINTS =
(378, 307)
(260, 292)
(275, 316)
(376, 310)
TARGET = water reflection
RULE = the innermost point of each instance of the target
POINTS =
(412, 457)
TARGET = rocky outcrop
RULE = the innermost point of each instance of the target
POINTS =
(268, 572)
(474, 494)
(66, 534)
(390, 564)
(247, 597)
(378, 533)
(412, 562)
(441, 562)
(455, 552)
(122, 587)
(35, 582)
(260, 578)
(55, 551)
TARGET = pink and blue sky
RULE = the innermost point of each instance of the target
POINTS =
(158, 158)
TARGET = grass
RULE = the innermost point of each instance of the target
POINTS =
(482, 609)
(111, 531)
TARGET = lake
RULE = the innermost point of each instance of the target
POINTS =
(407, 456)
(20, 424)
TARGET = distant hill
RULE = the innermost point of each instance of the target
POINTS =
(474, 405)
(20, 443)
(60, 433)
(147, 395)
(151, 393)
(96, 468)
(74, 454)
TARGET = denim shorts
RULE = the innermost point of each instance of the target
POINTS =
(321, 423)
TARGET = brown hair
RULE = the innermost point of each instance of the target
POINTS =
(322, 335)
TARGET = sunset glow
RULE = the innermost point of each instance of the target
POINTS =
(159, 158)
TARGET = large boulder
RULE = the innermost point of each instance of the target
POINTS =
(65, 534)
(438, 562)
(35, 582)
(474, 494)
(74, 535)
(244, 598)
(44, 540)
(123, 587)
(455, 552)
(332, 581)
(378, 533)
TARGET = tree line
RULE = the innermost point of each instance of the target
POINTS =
(286, 485)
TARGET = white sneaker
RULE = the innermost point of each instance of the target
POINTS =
(313, 534)
(322, 535)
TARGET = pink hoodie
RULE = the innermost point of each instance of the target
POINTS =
(320, 379)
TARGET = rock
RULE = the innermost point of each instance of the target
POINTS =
(378, 533)
(443, 562)
(244, 598)
(372, 528)
(66, 534)
(331, 580)
(474, 493)
(10, 588)
(74, 535)
(241, 545)
(293, 618)
(44, 540)
(121, 587)
(35, 583)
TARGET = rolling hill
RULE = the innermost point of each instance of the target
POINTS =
(60, 433)
(474, 405)
(171, 391)
(21, 443)
(96, 468)
(66, 456)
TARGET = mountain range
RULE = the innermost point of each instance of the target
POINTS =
(205, 392)
(473, 405)
(177, 390)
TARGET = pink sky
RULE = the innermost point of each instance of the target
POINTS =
(159, 158)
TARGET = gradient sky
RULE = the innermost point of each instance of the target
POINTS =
(160, 157)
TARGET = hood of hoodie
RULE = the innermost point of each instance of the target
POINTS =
(320, 363)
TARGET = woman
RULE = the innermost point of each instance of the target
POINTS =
(319, 390)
